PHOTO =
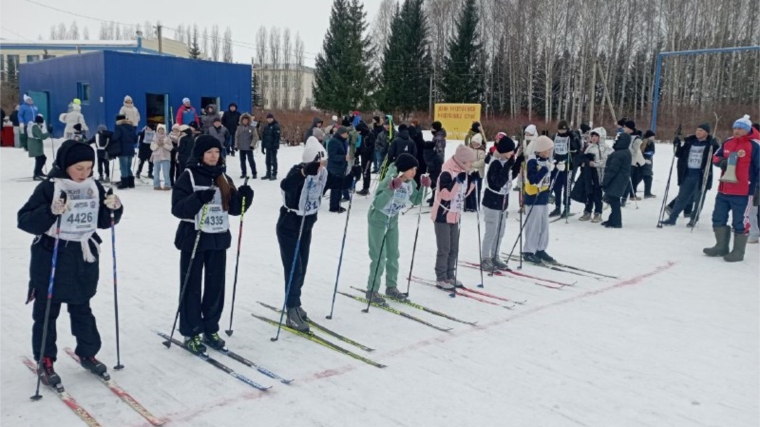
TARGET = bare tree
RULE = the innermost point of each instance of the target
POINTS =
(216, 43)
(54, 32)
(227, 45)
(287, 78)
(298, 74)
(117, 35)
(261, 59)
(86, 33)
(274, 56)
(381, 26)
(63, 34)
(150, 31)
(205, 44)
(133, 34)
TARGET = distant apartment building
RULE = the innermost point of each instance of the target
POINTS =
(21, 52)
(287, 87)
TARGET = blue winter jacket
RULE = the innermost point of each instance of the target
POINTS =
(27, 113)
(337, 149)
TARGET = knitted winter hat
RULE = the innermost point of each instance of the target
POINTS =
(705, 127)
(743, 123)
(270, 116)
(77, 101)
(39, 119)
(406, 161)
(463, 155)
(161, 128)
(630, 124)
(402, 128)
(204, 143)
(437, 126)
(318, 133)
(128, 99)
(531, 129)
(505, 145)
(562, 125)
(648, 134)
(185, 100)
(477, 139)
(542, 143)
(341, 131)
(79, 152)
(585, 127)
(313, 151)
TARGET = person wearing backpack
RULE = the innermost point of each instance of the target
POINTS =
(101, 140)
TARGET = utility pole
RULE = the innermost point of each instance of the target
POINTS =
(159, 29)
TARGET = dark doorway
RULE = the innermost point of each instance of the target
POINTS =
(210, 100)
(157, 109)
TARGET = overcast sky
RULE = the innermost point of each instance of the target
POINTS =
(28, 19)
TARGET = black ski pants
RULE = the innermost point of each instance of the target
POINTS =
(271, 161)
(83, 327)
(288, 226)
(202, 306)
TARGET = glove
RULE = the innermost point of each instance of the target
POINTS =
(550, 166)
(206, 196)
(112, 201)
(592, 164)
(247, 192)
(649, 162)
(426, 181)
(681, 142)
(395, 184)
(356, 171)
(723, 164)
(60, 205)
(311, 168)
(561, 166)
(462, 177)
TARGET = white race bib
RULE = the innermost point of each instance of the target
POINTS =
(216, 219)
(399, 200)
(457, 203)
(80, 219)
(561, 145)
(695, 157)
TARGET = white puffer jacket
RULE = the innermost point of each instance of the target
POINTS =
(72, 118)
(130, 111)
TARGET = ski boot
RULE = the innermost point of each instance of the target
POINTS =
(394, 293)
(95, 366)
(302, 313)
(214, 341)
(47, 373)
(499, 264)
(363, 192)
(532, 258)
(545, 257)
(585, 217)
(487, 265)
(273, 177)
(195, 345)
(456, 283)
(597, 218)
(650, 196)
(295, 321)
(556, 212)
(266, 177)
(445, 285)
(374, 297)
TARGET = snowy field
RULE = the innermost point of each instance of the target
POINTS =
(673, 341)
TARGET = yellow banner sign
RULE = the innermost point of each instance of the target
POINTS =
(457, 119)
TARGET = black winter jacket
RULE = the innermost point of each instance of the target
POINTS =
(76, 280)
(185, 147)
(270, 136)
(498, 176)
(617, 170)
(401, 144)
(186, 204)
(230, 119)
(415, 133)
(682, 153)
(125, 138)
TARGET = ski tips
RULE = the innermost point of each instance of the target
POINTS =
(228, 332)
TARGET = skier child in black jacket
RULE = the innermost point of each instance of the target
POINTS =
(85, 208)
(203, 198)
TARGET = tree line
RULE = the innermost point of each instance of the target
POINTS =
(548, 59)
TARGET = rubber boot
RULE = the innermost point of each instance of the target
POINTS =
(740, 244)
(722, 238)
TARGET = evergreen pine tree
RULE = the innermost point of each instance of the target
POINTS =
(342, 74)
(460, 81)
(194, 50)
(392, 81)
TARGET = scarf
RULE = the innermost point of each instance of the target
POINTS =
(74, 192)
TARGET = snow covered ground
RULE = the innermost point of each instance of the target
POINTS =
(673, 342)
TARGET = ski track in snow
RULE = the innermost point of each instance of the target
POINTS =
(675, 344)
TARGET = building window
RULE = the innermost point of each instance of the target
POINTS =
(275, 81)
(83, 92)
(266, 80)
(32, 58)
(285, 81)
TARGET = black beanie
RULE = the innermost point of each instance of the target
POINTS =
(648, 134)
(705, 127)
(204, 143)
(402, 128)
(585, 128)
(562, 125)
(39, 119)
(622, 121)
(75, 152)
(630, 124)
(505, 145)
(437, 126)
(406, 161)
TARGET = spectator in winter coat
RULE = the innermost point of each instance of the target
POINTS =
(16, 131)
(566, 146)
(453, 189)
(754, 213)
(207, 120)
(435, 152)
(185, 146)
(186, 114)
(72, 118)
(538, 172)
(476, 172)
(474, 130)
(86, 208)
(101, 140)
(316, 123)
(637, 159)
(125, 138)
(588, 187)
(647, 170)
(129, 111)
(401, 144)
(231, 120)
(174, 136)
(381, 147)
(27, 114)
(161, 158)
(366, 152)
(415, 133)
(270, 143)
(337, 164)
(496, 201)
(617, 178)
(145, 139)
(741, 153)
(246, 140)
(220, 133)
(37, 135)
(694, 156)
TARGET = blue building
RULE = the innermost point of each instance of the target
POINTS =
(157, 85)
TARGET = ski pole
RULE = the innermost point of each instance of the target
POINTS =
(414, 248)
(37, 395)
(698, 208)
(522, 225)
(498, 237)
(342, 247)
(633, 192)
(480, 242)
(237, 262)
(310, 184)
(567, 189)
(168, 343)
(115, 291)
(459, 230)
(676, 141)
(379, 260)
